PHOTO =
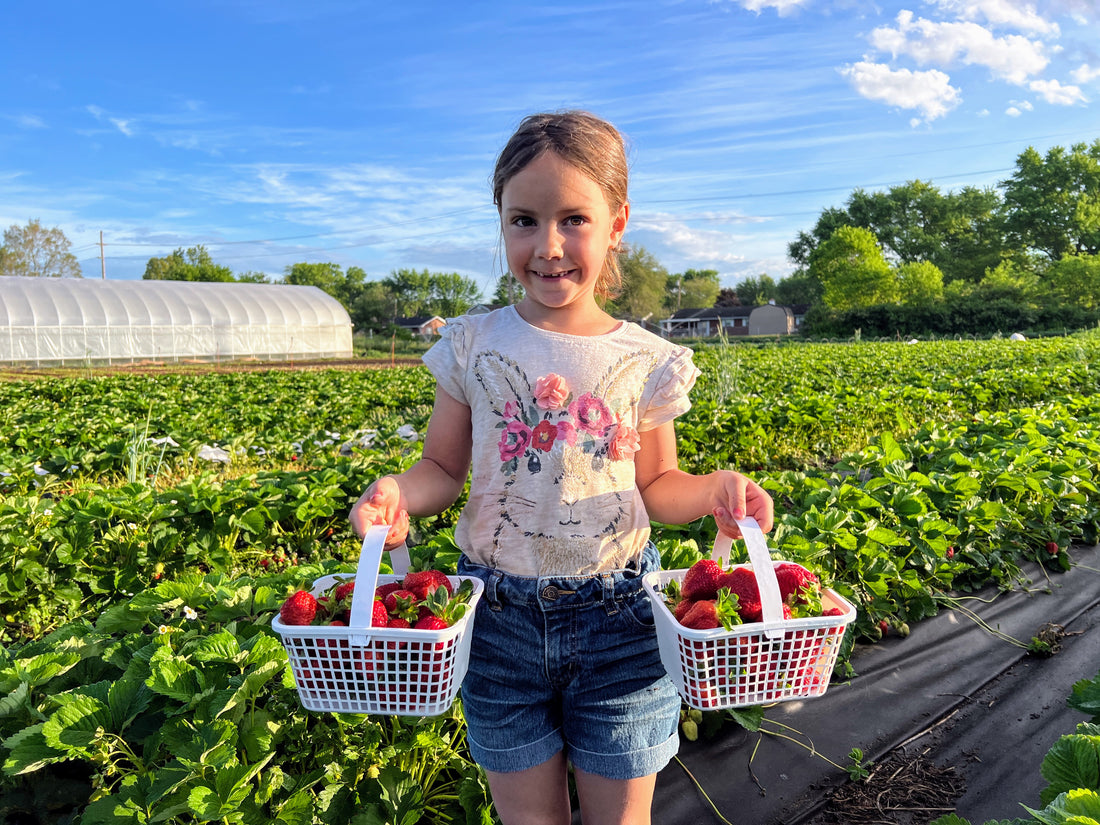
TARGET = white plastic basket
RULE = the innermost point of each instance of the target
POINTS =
(361, 669)
(773, 660)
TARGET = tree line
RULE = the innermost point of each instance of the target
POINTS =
(911, 258)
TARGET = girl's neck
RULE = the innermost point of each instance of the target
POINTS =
(585, 321)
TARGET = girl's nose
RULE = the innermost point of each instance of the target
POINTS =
(550, 243)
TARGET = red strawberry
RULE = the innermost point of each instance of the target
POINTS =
(702, 615)
(344, 590)
(431, 623)
(1052, 548)
(681, 609)
(741, 582)
(379, 617)
(425, 582)
(384, 590)
(299, 609)
(796, 583)
(402, 603)
(397, 621)
(701, 580)
(832, 611)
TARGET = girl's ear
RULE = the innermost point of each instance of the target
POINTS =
(618, 225)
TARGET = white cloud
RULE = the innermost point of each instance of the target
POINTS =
(931, 92)
(29, 122)
(1012, 111)
(122, 125)
(1084, 73)
(1004, 13)
(783, 7)
(1054, 92)
(1013, 58)
(94, 111)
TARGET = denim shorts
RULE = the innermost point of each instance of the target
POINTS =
(569, 663)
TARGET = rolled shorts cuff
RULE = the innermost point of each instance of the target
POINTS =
(633, 765)
(510, 760)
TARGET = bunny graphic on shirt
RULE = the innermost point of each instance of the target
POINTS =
(566, 458)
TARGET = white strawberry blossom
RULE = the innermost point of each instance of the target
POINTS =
(190, 613)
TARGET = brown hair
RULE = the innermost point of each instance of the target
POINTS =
(589, 143)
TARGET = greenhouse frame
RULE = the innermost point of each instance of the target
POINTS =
(63, 321)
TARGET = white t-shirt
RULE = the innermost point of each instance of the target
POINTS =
(555, 419)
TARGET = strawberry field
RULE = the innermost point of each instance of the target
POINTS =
(151, 526)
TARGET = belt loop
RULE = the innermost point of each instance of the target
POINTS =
(609, 603)
(491, 595)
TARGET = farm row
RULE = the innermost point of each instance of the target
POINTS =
(150, 527)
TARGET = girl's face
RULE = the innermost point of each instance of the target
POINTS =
(557, 228)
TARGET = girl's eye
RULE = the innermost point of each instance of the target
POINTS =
(522, 221)
(576, 220)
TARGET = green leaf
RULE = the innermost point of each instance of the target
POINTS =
(1080, 806)
(749, 718)
(1086, 697)
(28, 751)
(1072, 762)
(77, 724)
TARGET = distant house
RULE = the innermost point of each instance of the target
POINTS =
(767, 319)
(423, 325)
(702, 323)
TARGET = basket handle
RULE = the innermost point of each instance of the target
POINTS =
(366, 579)
(771, 602)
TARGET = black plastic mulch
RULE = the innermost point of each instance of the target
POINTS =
(955, 719)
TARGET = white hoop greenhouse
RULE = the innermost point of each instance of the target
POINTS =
(56, 321)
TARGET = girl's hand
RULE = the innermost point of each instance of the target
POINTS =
(381, 504)
(739, 496)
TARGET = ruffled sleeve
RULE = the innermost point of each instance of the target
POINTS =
(668, 395)
(448, 357)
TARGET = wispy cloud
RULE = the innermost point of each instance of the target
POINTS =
(28, 121)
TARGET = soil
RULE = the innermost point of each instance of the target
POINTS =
(200, 367)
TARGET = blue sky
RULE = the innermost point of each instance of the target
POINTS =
(363, 133)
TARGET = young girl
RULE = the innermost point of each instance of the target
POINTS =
(567, 417)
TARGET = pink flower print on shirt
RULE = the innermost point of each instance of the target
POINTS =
(624, 443)
(543, 436)
(567, 433)
(591, 414)
(511, 410)
(551, 392)
(514, 440)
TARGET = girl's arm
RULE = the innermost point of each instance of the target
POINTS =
(672, 496)
(429, 486)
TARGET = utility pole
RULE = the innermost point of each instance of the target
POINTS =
(102, 260)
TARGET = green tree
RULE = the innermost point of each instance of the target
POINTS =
(697, 288)
(644, 285)
(800, 288)
(1052, 203)
(253, 277)
(1075, 280)
(960, 232)
(411, 290)
(508, 290)
(853, 270)
(373, 307)
(328, 277)
(193, 265)
(36, 252)
(919, 282)
(452, 294)
(756, 290)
